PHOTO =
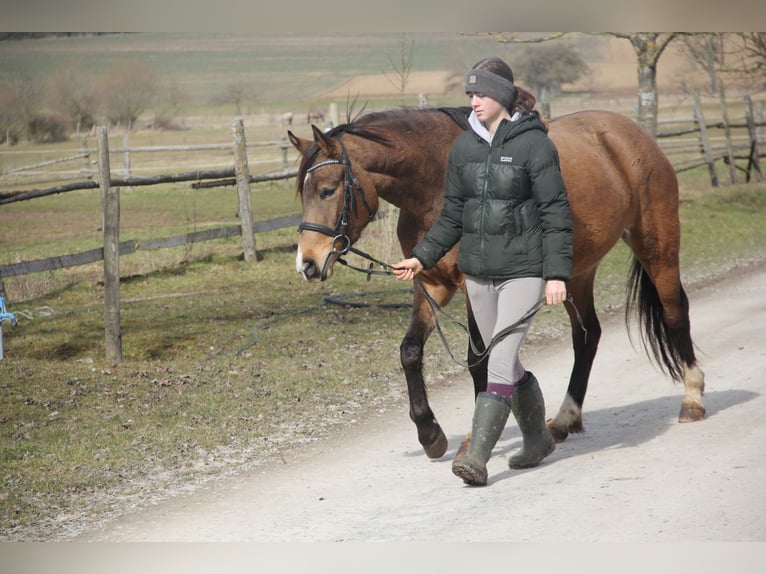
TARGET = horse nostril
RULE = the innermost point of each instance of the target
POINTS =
(309, 270)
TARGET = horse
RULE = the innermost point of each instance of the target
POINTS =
(620, 186)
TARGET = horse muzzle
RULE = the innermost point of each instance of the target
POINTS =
(313, 271)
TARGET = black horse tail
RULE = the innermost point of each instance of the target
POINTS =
(671, 348)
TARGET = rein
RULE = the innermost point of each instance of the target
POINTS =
(437, 310)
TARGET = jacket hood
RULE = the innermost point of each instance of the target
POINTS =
(519, 123)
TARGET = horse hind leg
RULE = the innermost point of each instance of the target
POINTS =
(663, 310)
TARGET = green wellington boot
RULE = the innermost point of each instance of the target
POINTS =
(528, 407)
(489, 417)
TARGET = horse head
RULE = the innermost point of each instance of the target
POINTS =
(337, 202)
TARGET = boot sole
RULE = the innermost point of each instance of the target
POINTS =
(524, 464)
(470, 474)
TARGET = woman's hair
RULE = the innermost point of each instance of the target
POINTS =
(524, 101)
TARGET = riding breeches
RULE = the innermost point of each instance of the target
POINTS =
(496, 304)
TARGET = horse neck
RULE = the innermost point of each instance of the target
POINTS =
(410, 173)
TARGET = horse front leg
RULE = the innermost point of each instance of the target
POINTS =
(430, 434)
(586, 334)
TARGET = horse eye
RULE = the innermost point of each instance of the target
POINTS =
(326, 192)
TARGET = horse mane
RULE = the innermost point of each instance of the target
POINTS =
(377, 127)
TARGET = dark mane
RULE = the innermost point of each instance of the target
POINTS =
(376, 127)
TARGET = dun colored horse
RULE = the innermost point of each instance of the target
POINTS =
(620, 185)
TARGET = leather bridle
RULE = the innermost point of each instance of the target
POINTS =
(351, 188)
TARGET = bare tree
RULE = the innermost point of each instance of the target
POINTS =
(28, 95)
(237, 93)
(11, 127)
(127, 91)
(20, 104)
(545, 68)
(748, 59)
(71, 93)
(170, 100)
(403, 67)
(706, 50)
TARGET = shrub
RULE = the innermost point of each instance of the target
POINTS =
(47, 128)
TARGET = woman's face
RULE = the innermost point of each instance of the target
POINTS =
(487, 109)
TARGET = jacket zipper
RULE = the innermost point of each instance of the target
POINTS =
(484, 207)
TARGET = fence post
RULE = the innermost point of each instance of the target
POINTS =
(727, 132)
(110, 201)
(242, 173)
(285, 165)
(704, 141)
(752, 130)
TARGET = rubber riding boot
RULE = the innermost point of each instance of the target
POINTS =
(528, 407)
(489, 417)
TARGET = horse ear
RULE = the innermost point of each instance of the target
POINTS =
(299, 143)
(326, 144)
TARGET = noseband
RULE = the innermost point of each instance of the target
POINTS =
(351, 188)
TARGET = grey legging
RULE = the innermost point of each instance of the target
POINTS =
(497, 303)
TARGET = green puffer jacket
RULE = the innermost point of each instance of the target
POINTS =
(506, 204)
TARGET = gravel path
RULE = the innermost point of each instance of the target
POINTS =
(634, 475)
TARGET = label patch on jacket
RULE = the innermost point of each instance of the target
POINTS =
(506, 159)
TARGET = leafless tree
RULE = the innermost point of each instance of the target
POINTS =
(126, 92)
(403, 67)
(71, 92)
(545, 68)
(707, 51)
(747, 60)
(237, 93)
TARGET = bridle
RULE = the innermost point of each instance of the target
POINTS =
(351, 188)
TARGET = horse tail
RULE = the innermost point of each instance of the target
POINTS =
(657, 338)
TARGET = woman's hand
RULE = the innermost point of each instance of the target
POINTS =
(407, 268)
(555, 292)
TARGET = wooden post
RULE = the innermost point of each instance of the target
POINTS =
(110, 201)
(242, 174)
(727, 132)
(285, 165)
(754, 162)
(707, 153)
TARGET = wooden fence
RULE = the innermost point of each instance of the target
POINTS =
(716, 142)
(707, 147)
(113, 248)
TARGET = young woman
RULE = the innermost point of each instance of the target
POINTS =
(506, 203)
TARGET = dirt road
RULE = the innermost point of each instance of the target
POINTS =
(635, 475)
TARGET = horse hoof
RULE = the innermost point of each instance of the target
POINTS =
(438, 447)
(691, 413)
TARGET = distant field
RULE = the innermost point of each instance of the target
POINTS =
(299, 73)
(279, 68)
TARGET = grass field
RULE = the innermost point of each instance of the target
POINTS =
(228, 365)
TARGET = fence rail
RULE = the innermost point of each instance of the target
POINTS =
(715, 142)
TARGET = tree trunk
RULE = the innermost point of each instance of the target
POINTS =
(649, 47)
